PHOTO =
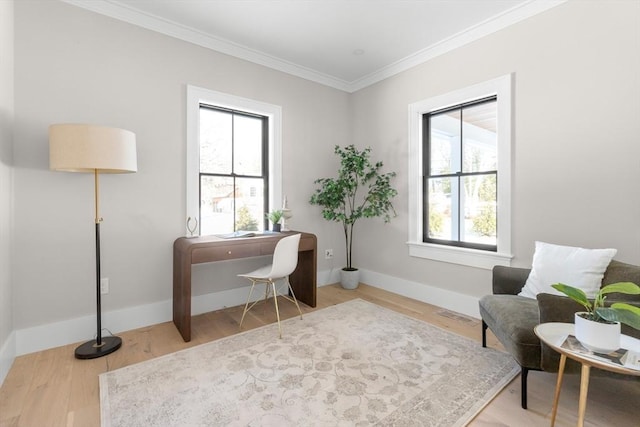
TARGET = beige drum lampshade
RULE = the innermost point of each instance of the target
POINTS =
(89, 148)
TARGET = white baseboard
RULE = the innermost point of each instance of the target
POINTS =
(7, 356)
(454, 301)
(37, 338)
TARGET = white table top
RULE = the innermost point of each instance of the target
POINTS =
(555, 333)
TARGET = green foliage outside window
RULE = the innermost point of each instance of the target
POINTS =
(245, 221)
(435, 223)
(485, 222)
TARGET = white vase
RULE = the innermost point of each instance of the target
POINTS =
(350, 279)
(596, 336)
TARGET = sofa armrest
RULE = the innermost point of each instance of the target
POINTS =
(556, 308)
(509, 280)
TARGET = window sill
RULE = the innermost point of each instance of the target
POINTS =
(455, 255)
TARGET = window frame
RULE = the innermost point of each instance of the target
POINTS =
(197, 96)
(502, 88)
(458, 175)
(264, 144)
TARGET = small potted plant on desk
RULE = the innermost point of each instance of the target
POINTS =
(275, 217)
(598, 328)
(342, 202)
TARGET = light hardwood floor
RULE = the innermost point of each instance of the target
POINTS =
(51, 388)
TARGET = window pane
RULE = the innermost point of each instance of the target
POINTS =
(250, 204)
(444, 154)
(479, 207)
(247, 138)
(216, 205)
(442, 222)
(480, 150)
(215, 141)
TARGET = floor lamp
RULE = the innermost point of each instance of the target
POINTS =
(93, 149)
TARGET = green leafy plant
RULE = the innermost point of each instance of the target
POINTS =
(274, 216)
(596, 311)
(436, 223)
(485, 222)
(361, 190)
(245, 221)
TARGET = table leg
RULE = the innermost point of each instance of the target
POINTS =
(556, 397)
(584, 388)
(182, 294)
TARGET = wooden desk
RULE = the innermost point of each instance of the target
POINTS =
(196, 250)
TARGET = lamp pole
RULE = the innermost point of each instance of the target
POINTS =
(100, 347)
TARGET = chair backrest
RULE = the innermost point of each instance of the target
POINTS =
(285, 256)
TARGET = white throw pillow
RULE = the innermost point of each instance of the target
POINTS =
(578, 267)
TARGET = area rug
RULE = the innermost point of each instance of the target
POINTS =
(352, 364)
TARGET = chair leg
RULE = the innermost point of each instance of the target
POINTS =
(246, 306)
(523, 375)
(484, 334)
(266, 297)
(294, 297)
(275, 300)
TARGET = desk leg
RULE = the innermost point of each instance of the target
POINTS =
(182, 295)
(556, 397)
(303, 279)
(584, 388)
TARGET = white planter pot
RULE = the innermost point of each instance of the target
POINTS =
(349, 279)
(596, 336)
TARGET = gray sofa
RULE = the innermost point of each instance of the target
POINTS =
(512, 318)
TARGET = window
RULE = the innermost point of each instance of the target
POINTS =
(233, 161)
(234, 179)
(460, 176)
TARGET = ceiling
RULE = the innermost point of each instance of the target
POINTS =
(346, 44)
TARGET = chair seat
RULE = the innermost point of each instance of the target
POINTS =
(512, 318)
(260, 273)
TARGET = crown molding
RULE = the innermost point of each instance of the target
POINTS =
(173, 29)
(179, 31)
(490, 26)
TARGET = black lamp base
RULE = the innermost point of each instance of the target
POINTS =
(91, 350)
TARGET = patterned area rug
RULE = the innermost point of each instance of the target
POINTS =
(352, 364)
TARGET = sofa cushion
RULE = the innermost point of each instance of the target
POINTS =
(578, 267)
(512, 319)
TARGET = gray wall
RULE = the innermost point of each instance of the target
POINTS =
(73, 65)
(6, 186)
(576, 146)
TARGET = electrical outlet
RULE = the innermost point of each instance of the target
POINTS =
(104, 285)
(328, 253)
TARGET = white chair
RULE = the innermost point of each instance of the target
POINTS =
(285, 260)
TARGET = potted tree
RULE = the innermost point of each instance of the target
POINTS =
(360, 190)
(598, 328)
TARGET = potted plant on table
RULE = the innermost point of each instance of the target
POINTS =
(360, 190)
(598, 328)
(275, 217)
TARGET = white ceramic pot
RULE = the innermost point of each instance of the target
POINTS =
(349, 279)
(596, 336)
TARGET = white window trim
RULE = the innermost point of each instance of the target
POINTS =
(502, 87)
(197, 96)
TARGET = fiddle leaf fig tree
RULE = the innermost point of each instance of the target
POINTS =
(361, 190)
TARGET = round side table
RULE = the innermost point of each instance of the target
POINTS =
(554, 334)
